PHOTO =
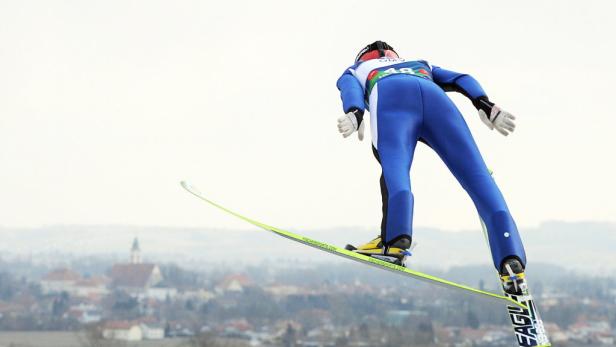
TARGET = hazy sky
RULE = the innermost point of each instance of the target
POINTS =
(106, 105)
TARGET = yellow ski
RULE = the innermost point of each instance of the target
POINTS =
(355, 256)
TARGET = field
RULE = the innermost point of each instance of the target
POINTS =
(70, 339)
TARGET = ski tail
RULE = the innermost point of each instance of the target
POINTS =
(527, 324)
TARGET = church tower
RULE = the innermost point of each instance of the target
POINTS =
(135, 253)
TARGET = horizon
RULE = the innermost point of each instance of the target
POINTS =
(550, 243)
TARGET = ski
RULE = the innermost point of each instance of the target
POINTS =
(381, 264)
(527, 324)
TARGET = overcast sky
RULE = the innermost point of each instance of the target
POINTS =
(106, 105)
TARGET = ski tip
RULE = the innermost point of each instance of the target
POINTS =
(189, 187)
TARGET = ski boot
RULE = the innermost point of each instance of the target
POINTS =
(527, 324)
(395, 253)
(513, 278)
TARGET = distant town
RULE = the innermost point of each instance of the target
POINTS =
(114, 303)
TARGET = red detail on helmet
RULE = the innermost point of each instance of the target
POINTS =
(371, 74)
(375, 54)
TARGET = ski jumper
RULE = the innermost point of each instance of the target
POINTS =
(407, 103)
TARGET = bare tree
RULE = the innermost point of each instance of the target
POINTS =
(210, 340)
(92, 336)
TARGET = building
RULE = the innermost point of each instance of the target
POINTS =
(152, 331)
(135, 252)
(233, 283)
(159, 293)
(60, 280)
(91, 287)
(69, 281)
(122, 330)
(86, 313)
(135, 276)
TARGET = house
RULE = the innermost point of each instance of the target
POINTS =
(59, 280)
(200, 295)
(282, 290)
(67, 280)
(159, 293)
(92, 287)
(10, 309)
(557, 336)
(605, 339)
(122, 330)
(233, 283)
(85, 313)
(152, 331)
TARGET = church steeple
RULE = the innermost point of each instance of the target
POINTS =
(135, 252)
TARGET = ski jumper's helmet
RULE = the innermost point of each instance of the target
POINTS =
(375, 50)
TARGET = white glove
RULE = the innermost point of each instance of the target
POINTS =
(498, 119)
(347, 125)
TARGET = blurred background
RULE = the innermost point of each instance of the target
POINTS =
(106, 106)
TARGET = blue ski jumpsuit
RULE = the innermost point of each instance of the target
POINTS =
(407, 103)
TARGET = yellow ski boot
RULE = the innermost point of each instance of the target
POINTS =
(396, 253)
(513, 278)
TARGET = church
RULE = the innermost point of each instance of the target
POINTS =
(135, 276)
